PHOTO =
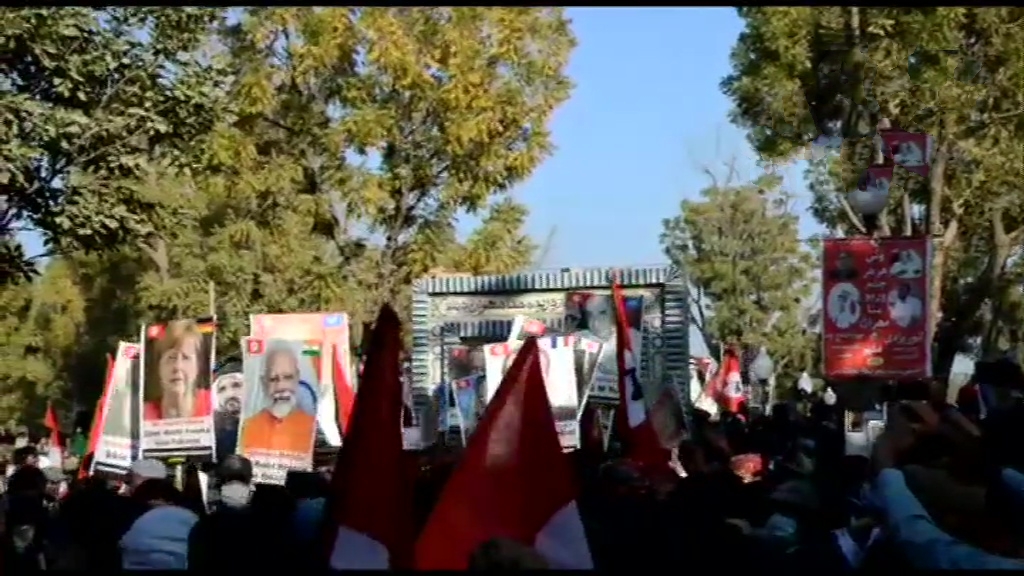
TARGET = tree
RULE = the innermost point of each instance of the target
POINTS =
(399, 120)
(90, 95)
(299, 159)
(740, 247)
(953, 73)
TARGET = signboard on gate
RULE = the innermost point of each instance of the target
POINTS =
(875, 321)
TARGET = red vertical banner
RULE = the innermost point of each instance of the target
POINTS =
(875, 321)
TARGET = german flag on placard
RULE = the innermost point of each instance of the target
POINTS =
(207, 327)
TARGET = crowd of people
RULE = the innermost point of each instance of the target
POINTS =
(940, 490)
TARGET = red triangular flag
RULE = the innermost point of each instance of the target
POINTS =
(50, 421)
(344, 397)
(371, 499)
(642, 443)
(56, 441)
(513, 482)
(97, 418)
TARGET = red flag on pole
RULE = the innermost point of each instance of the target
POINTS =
(513, 482)
(344, 397)
(53, 425)
(97, 419)
(371, 501)
(642, 443)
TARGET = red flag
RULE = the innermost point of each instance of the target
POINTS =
(591, 432)
(641, 439)
(371, 500)
(728, 384)
(97, 418)
(53, 425)
(513, 482)
(344, 397)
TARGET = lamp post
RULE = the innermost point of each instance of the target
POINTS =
(868, 200)
(762, 371)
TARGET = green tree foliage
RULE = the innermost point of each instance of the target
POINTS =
(296, 159)
(398, 120)
(953, 73)
(751, 274)
(89, 95)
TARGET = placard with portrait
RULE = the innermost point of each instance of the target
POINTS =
(119, 424)
(591, 316)
(176, 404)
(279, 410)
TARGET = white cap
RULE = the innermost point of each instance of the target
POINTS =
(148, 469)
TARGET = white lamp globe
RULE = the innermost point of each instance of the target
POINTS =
(762, 367)
(805, 384)
(869, 202)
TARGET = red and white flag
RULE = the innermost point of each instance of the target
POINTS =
(729, 383)
(371, 500)
(642, 443)
(56, 454)
(513, 482)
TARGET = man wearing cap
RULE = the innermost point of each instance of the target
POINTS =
(142, 470)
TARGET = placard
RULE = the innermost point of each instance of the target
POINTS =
(176, 407)
(557, 357)
(279, 412)
(337, 382)
(591, 316)
(119, 424)
(876, 322)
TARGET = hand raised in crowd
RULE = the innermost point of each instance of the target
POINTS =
(905, 422)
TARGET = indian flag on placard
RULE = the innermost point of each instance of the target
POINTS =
(310, 348)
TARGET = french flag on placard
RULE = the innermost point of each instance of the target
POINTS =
(513, 482)
(371, 494)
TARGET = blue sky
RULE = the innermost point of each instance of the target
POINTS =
(645, 115)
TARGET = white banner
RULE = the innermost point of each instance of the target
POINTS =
(118, 420)
(557, 355)
(177, 434)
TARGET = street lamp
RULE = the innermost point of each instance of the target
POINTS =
(762, 369)
(869, 199)
(805, 385)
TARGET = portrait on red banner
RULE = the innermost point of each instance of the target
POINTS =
(876, 308)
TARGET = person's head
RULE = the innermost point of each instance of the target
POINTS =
(143, 470)
(229, 392)
(56, 482)
(600, 316)
(27, 455)
(903, 291)
(177, 361)
(158, 492)
(27, 481)
(505, 554)
(234, 468)
(281, 380)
